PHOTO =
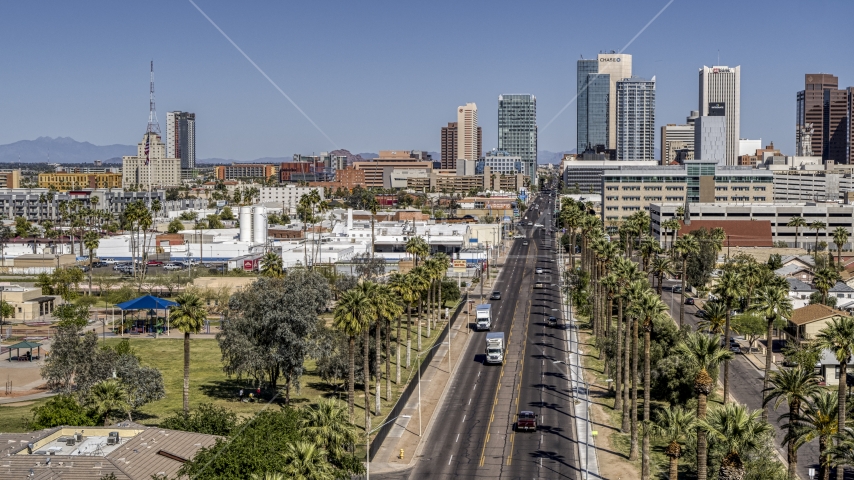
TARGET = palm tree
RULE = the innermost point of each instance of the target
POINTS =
(817, 226)
(739, 431)
(703, 354)
(420, 283)
(652, 308)
(188, 317)
(818, 420)
(674, 226)
(306, 461)
(353, 316)
(326, 425)
(824, 280)
(772, 302)
(842, 453)
(797, 222)
(674, 425)
(418, 248)
(714, 320)
(91, 240)
(840, 236)
(387, 308)
(369, 291)
(398, 283)
(271, 265)
(730, 288)
(443, 262)
(431, 273)
(108, 396)
(611, 285)
(649, 246)
(636, 292)
(661, 268)
(628, 272)
(838, 337)
(686, 246)
(794, 386)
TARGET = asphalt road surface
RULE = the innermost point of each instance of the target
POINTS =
(473, 434)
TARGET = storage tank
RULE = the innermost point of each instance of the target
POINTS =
(260, 225)
(245, 224)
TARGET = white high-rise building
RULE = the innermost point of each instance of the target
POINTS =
(720, 95)
(617, 66)
(636, 119)
(467, 145)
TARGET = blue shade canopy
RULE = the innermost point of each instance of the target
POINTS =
(147, 302)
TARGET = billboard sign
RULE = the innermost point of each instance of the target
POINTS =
(459, 266)
(717, 109)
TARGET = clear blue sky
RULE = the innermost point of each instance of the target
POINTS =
(387, 75)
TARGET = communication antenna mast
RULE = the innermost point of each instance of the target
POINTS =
(153, 124)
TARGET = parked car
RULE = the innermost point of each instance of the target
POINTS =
(735, 348)
(526, 421)
(539, 270)
(172, 266)
(495, 296)
(689, 301)
(99, 264)
(108, 261)
(154, 263)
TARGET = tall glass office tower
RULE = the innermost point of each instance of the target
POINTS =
(593, 106)
(517, 129)
(636, 119)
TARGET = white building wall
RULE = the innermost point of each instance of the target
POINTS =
(710, 140)
(723, 84)
(287, 196)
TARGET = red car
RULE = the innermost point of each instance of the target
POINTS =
(526, 421)
(154, 263)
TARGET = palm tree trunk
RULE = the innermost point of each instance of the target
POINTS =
(633, 448)
(646, 403)
(351, 388)
(186, 373)
(791, 448)
(843, 376)
(409, 333)
(726, 345)
(624, 427)
(420, 320)
(572, 246)
(618, 399)
(823, 469)
(397, 353)
(768, 360)
(702, 443)
(682, 300)
(378, 393)
(366, 365)
(388, 361)
(674, 468)
(429, 313)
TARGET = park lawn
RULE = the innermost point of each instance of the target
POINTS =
(210, 384)
(14, 418)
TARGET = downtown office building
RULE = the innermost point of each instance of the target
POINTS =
(181, 138)
(517, 129)
(636, 119)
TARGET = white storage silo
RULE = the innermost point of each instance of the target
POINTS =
(260, 225)
(245, 224)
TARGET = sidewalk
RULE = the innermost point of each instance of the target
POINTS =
(404, 436)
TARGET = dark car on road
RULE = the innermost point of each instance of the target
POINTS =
(495, 296)
(689, 301)
(676, 289)
(552, 322)
(526, 421)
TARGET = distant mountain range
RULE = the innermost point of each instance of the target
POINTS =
(68, 150)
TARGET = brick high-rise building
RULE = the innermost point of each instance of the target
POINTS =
(823, 113)
(449, 145)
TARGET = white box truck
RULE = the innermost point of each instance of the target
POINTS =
(483, 316)
(495, 347)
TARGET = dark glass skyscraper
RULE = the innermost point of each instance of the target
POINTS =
(593, 101)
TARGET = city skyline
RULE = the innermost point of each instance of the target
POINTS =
(60, 92)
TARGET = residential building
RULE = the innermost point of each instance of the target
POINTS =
(799, 291)
(677, 141)
(805, 322)
(76, 181)
(287, 196)
(347, 178)
(10, 179)
(245, 170)
(778, 214)
(501, 162)
(823, 119)
(468, 136)
(41, 203)
(617, 66)
(710, 139)
(585, 176)
(636, 119)
(151, 167)
(626, 189)
(181, 138)
(592, 106)
(720, 95)
(517, 129)
(448, 150)
(124, 451)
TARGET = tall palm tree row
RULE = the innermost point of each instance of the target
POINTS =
(794, 386)
(838, 337)
(730, 288)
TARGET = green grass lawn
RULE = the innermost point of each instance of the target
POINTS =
(14, 418)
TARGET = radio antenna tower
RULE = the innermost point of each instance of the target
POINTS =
(153, 124)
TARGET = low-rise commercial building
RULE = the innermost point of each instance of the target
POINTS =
(40, 203)
(64, 182)
(244, 170)
(286, 196)
(28, 303)
(585, 176)
(448, 182)
(10, 179)
(347, 179)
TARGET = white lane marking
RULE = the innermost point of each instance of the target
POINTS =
(464, 417)
(457, 440)
(469, 401)
(449, 461)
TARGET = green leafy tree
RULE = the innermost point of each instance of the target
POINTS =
(175, 226)
(206, 418)
(226, 213)
(60, 410)
(268, 326)
(775, 261)
(188, 317)
(750, 325)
